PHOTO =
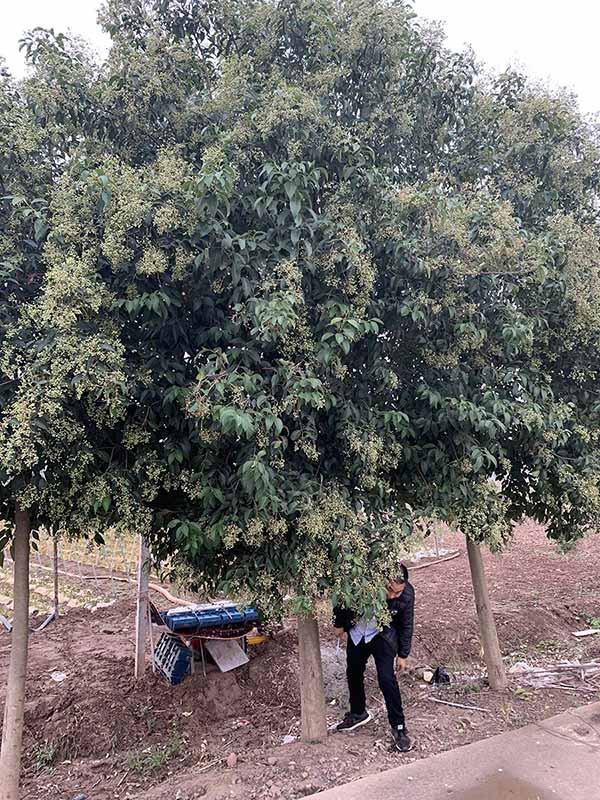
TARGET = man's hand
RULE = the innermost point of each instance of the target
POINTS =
(400, 664)
(340, 634)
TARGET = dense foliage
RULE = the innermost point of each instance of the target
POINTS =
(308, 276)
(61, 368)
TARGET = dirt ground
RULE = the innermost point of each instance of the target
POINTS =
(99, 733)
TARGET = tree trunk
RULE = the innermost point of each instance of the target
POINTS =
(487, 625)
(312, 694)
(141, 619)
(12, 732)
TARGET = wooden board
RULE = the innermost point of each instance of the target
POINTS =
(227, 653)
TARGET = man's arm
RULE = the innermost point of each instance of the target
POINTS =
(342, 617)
(404, 621)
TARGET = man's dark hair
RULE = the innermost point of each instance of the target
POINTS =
(402, 577)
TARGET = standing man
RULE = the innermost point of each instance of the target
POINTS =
(387, 645)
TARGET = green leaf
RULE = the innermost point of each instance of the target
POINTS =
(40, 229)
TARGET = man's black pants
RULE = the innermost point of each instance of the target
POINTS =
(384, 654)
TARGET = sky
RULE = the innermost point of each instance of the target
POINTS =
(553, 41)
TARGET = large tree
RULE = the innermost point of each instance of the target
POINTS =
(352, 283)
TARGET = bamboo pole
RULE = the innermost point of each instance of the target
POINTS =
(141, 619)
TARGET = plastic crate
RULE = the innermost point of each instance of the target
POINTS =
(195, 618)
(172, 658)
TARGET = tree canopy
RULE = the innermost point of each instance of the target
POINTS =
(62, 380)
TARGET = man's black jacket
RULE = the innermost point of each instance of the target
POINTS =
(399, 632)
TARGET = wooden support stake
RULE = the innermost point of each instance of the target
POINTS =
(150, 631)
(141, 618)
(55, 569)
(487, 626)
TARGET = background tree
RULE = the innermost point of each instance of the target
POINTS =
(61, 368)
